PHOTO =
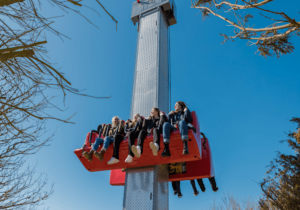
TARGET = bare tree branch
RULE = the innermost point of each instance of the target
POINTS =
(270, 40)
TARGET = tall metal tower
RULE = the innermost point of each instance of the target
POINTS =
(151, 75)
(146, 188)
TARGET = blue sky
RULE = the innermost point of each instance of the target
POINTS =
(244, 102)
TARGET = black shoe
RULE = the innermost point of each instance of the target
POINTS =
(215, 189)
(203, 190)
(179, 195)
(185, 148)
(175, 192)
(190, 126)
(185, 152)
(196, 193)
(194, 129)
(166, 153)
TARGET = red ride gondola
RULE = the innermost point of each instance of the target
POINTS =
(199, 162)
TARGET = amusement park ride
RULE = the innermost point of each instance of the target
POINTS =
(146, 178)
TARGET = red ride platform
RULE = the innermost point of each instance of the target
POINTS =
(198, 169)
(147, 158)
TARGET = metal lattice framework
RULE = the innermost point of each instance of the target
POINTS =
(146, 188)
(151, 77)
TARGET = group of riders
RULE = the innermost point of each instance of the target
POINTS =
(138, 128)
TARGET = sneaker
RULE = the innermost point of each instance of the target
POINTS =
(112, 161)
(175, 192)
(154, 148)
(203, 190)
(194, 129)
(136, 150)
(179, 195)
(129, 159)
(196, 193)
(166, 153)
(185, 152)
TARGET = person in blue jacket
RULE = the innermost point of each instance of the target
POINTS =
(181, 117)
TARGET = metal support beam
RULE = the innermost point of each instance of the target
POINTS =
(146, 188)
(151, 77)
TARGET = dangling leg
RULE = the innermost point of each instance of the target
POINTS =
(196, 192)
(167, 128)
(213, 184)
(201, 184)
(89, 155)
(131, 140)
(138, 150)
(174, 188)
(115, 158)
(156, 142)
(107, 142)
(178, 189)
(184, 136)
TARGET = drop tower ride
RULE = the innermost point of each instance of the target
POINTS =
(147, 187)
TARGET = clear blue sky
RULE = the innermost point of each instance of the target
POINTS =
(244, 102)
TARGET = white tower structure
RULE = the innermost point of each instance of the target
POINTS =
(146, 188)
(151, 77)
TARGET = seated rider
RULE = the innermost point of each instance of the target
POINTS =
(108, 131)
(100, 131)
(181, 117)
(134, 129)
(115, 135)
(155, 124)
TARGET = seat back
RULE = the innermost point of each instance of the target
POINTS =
(93, 139)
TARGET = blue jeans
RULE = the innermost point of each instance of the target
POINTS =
(107, 141)
(168, 128)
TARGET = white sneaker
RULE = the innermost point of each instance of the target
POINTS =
(129, 159)
(154, 147)
(112, 161)
(136, 150)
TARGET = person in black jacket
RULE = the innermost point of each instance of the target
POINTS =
(156, 122)
(134, 129)
(115, 135)
(181, 117)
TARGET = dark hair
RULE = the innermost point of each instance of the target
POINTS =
(182, 104)
(157, 109)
